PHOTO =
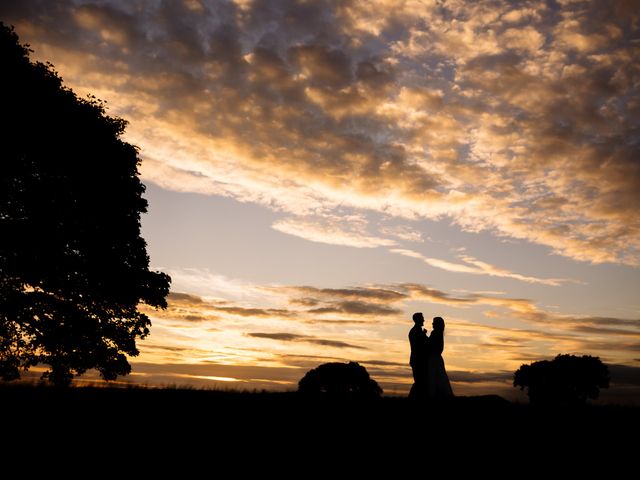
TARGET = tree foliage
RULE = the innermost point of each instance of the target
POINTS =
(339, 380)
(73, 265)
(565, 380)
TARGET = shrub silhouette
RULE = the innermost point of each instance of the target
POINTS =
(339, 380)
(73, 266)
(565, 380)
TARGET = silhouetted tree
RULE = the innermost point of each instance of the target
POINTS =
(73, 266)
(340, 380)
(565, 380)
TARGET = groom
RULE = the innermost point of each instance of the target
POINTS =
(420, 347)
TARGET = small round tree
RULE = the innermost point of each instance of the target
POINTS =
(73, 265)
(565, 380)
(339, 380)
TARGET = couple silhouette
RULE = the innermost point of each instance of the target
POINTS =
(429, 375)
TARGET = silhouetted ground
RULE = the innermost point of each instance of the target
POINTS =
(116, 423)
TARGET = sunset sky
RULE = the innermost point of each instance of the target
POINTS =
(317, 171)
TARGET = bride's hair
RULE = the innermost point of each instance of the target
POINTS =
(438, 323)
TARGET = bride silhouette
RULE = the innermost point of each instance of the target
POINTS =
(438, 386)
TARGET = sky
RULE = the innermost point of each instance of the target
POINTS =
(317, 171)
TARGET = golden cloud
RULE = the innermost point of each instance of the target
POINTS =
(521, 121)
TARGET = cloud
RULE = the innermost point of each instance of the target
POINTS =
(194, 308)
(347, 231)
(337, 310)
(389, 300)
(382, 363)
(334, 343)
(476, 267)
(165, 348)
(339, 322)
(372, 293)
(356, 304)
(357, 308)
(594, 330)
(290, 337)
(479, 377)
(608, 321)
(422, 292)
(201, 283)
(181, 298)
(519, 120)
(183, 307)
(307, 361)
(402, 232)
(287, 337)
(254, 312)
(365, 305)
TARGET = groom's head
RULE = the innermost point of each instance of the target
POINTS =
(418, 319)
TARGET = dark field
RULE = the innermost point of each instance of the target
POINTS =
(267, 424)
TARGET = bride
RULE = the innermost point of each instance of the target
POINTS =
(439, 387)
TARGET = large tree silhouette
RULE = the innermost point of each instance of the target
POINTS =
(73, 266)
(565, 380)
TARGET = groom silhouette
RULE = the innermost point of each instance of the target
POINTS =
(420, 349)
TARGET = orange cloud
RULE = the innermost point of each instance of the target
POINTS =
(520, 121)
